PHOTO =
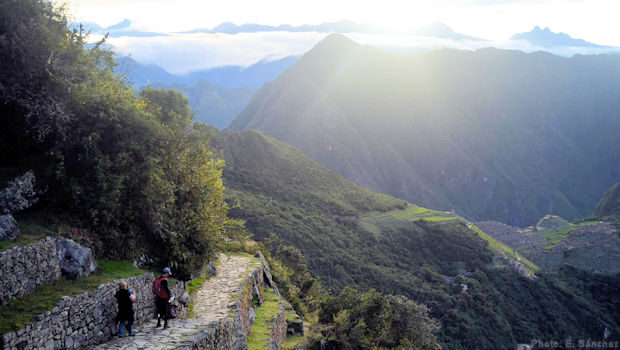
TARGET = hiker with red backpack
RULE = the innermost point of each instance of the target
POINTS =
(162, 292)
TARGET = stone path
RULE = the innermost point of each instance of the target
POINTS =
(210, 305)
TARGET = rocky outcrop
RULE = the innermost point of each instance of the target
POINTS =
(76, 261)
(84, 320)
(26, 268)
(41, 263)
(8, 227)
(20, 193)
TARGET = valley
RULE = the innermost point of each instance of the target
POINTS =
(536, 135)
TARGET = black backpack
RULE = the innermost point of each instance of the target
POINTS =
(172, 312)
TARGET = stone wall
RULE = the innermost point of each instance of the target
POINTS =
(278, 330)
(88, 319)
(42, 262)
(26, 268)
(231, 333)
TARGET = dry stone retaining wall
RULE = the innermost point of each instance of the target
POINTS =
(278, 330)
(87, 319)
(231, 332)
(27, 267)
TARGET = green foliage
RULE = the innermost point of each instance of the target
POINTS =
(28, 234)
(214, 105)
(410, 213)
(265, 313)
(133, 169)
(276, 188)
(450, 129)
(22, 311)
(609, 205)
(371, 321)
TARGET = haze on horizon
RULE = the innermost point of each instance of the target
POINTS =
(591, 20)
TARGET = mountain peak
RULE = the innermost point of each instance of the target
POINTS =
(126, 23)
(547, 38)
(335, 42)
(441, 30)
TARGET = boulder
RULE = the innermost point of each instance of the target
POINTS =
(8, 227)
(76, 261)
(19, 194)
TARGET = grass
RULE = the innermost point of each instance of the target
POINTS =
(409, 213)
(500, 248)
(415, 213)
(555, 236)
(260, 330)
(28, 233)
(192, 287)
(22, 311)
(291, 341)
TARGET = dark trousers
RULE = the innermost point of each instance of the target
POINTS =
(162, 309)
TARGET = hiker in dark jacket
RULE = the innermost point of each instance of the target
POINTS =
(162, 292)
(125, 309)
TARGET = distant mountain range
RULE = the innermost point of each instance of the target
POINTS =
(440, 30)
(494, 134)
(216, 95)
(547, 38)
(122, 28)
(435, 29)
(213, 104)
(228, 76)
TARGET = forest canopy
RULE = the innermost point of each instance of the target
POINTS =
(132, 169)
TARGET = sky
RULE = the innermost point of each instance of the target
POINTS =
(182, 53)
(592, 20)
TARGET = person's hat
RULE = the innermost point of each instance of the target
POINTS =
(167, 270)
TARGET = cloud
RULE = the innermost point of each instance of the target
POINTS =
(184, 53)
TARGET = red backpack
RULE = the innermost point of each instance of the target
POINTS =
(158, 290)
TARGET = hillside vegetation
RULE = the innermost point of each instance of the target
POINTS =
(354, 237)
(493, 134)
(133, 171)
(212, 104)
(610, 203)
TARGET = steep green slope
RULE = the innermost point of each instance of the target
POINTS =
(352, 236)
(493, 134)
(213, 104)
(610, 203)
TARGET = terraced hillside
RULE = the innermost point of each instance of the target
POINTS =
(554, 242)
(351, 236)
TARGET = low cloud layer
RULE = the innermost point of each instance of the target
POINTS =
(185, 53)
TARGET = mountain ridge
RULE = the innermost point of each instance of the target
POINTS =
(282, 193)
(546, 38)
(427, 137)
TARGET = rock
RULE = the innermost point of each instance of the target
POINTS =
(184, 299)
(76, 261)
(266, 270)
(20, 193)
(211, 270)
(8, 227)
(143, 261)
(295, 326)
(256, 296)
(252, 315)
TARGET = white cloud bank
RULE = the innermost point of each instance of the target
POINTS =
(185, 53)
